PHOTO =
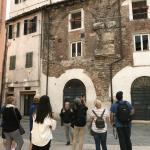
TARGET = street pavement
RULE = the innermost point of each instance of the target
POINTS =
(140, 138)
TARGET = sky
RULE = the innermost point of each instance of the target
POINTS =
(7, 9)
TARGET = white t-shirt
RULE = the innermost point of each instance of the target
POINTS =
(99, 112)
(42, 133)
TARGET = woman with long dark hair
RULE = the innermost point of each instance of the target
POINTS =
(43, 124)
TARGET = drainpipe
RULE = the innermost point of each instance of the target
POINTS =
(47, 72)
(48, 52)
(40, 52)
(4, 67)
(120, 48)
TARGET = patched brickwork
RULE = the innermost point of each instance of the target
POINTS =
(101, 41)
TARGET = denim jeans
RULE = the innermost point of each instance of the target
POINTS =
(124, 134)
(100, 139)
(68, 131)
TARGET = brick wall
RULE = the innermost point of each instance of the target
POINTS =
(102, 42)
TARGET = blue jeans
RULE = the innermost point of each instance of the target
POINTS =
(100, 139)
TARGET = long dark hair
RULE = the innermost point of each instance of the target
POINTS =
(43, 109)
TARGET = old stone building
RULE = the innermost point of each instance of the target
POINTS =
(88, 43)
(134, 78)
(81, 39)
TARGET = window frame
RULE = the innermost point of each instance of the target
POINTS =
(16, 2)
(29, 28)
(12, 62)
(139, 8)
(27, 63)
(18, 29)
(141, 40)
(12, 31)
(131, 10)
(76, 51)
(82, 20)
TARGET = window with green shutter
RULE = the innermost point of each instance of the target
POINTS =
(10, 32)
(29, 60)
(12, 64)
(18, 29)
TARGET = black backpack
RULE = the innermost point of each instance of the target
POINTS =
(123, 113)
(81, 116)
(100, 123)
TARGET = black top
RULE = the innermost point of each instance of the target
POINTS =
(80, 115)
(66, 116)
(10, 122)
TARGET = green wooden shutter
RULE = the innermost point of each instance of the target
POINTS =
(25, 27)
(29, 60)
(12, 64)
(10, 35)
(18, 29)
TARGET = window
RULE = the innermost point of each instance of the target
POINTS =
(10, 30)
(25, 27)
(19, 1)
(141, 42)
(18, 29)
(29, 60)
(140, 10)
(30, 26)
(76, 49)
(12, 64)
(76, 20)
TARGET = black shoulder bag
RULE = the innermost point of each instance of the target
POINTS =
(21, 129)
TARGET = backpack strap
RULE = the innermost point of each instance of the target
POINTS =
(102, 113)
(97, 115)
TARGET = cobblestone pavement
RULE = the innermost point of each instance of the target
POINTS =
(140, 138)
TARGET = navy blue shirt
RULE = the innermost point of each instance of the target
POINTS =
(31, 111)
(113, 109)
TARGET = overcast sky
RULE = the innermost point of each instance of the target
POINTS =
(7, 9)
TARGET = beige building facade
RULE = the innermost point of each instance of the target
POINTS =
(2, 35)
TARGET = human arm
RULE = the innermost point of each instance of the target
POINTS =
(112, 119)
(18, 115)
(50, 122)
(112, 115)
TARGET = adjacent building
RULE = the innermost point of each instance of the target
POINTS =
(23, 64)
(2, 36)
(134, 79)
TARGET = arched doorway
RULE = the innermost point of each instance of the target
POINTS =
(140, 95)
(74, 88)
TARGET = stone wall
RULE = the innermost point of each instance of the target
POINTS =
(102, 41)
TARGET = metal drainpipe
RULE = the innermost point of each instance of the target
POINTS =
(121, 53)
(40, 52)
(48, 53)
(4, 67)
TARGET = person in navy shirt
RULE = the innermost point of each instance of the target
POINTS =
(32, 110)
(123, 130)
